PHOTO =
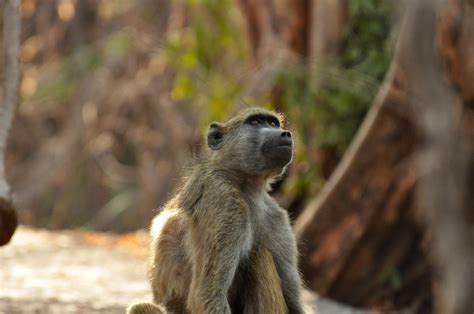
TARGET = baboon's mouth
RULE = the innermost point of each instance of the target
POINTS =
(285, 143)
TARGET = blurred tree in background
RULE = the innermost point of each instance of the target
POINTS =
(116, 96)
(9, 79)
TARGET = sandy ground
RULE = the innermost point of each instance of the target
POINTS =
(77, 272)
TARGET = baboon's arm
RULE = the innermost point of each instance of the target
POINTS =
(217, 247)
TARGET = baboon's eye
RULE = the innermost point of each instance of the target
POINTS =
(255, 121)
(273, 122)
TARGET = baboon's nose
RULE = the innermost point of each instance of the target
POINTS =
(286, 134)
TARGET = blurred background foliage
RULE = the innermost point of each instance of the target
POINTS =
(116, 95)
(206, 55)
(328, 105)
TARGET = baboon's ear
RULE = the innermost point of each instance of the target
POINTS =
(215, 136)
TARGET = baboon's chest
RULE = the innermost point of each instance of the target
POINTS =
(261, 217)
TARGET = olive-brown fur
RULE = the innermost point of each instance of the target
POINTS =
(222, 244)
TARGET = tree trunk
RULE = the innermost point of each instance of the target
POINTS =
(363, 232)
(447, 152)
(11, 42)
(362, 229)
(327, 21)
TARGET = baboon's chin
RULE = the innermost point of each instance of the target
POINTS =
(278, 158)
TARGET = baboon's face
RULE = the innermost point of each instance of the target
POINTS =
(257, 146)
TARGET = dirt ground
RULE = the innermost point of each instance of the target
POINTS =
(82, 272)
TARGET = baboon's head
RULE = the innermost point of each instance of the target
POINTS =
(254, 142)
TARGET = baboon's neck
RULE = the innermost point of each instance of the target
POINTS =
(254, 183)
(207, 174)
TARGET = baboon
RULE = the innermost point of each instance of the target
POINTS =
(222, 244)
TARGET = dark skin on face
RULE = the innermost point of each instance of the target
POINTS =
(278, 145)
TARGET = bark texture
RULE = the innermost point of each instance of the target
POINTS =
(362, 228)
(410, 159)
